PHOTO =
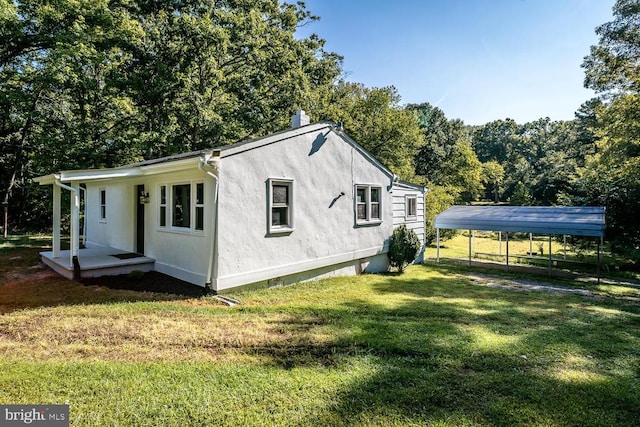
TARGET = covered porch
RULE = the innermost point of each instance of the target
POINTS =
(96, 262)
(79, 261)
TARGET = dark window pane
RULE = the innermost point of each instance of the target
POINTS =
(279, 216)
(103, 197)
(199, 194)
(375, 195)
(276, 214)
(181, 205)
(411, 209)
(362, 211)
(199, 218)
(103, 212)
(361, 195)
(281, 194)
(163, 216)
(375, 210)
(163, 195)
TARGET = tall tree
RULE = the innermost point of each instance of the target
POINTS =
(439, 139)
(373, 117)
(612, 66)
(94, 83)
(613, 70)
(446, 157)
(493, 177)
(496, 140)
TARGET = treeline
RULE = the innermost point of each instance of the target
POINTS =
(100, 83)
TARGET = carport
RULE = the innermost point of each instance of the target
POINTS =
(549, 220)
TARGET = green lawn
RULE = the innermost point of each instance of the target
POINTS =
(430, 347)
(487, 246)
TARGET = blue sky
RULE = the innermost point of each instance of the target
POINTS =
(478, 60)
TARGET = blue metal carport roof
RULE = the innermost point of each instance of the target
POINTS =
(569, 220)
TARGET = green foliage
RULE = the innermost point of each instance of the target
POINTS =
(403, 247)
(493, 177)
(463, 172)
(439, 138)
(374, 119)
(543, 155)
(437, 200)
(611, 174)
(612, 65)
(94, 83)
(496, 140)
(446, 157)
(521, 196)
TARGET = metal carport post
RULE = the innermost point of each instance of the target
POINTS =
(437, 245)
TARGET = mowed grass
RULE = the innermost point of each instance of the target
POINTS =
(430, 347)
(487, 246)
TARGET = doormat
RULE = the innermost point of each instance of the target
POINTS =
(127, 255)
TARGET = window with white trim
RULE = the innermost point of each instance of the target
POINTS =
(163, 206)
(103, 205)
(368, 204)
(199, 206)
(411, 207)
(181, 207)
(280, 206)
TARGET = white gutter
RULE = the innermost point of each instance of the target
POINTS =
(213, 252)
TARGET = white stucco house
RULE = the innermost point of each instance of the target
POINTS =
(304, 203)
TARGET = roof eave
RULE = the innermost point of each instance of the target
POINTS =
(118, 173)
(239, 147)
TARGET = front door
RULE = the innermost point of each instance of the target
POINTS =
(139, 203)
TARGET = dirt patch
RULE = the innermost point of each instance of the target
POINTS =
(147, 282)
(524, 285)
(15, 277)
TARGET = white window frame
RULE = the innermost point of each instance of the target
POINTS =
(198, 206)
(408, 216)
(289, 227)
(368, 220)
(170, 206)
(162, 204)
(102, 195)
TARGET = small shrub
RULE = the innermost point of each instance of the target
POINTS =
(403, 248)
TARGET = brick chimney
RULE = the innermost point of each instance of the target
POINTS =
(299, 119)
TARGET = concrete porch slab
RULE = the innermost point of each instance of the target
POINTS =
(96, 262)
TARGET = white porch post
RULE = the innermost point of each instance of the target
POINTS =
(56, 220)
(74, 245)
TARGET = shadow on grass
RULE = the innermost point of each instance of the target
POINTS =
(463, 354)
(27, 283)
(25, 241)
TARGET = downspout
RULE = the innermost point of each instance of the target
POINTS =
(74, 228)
(213, 250)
